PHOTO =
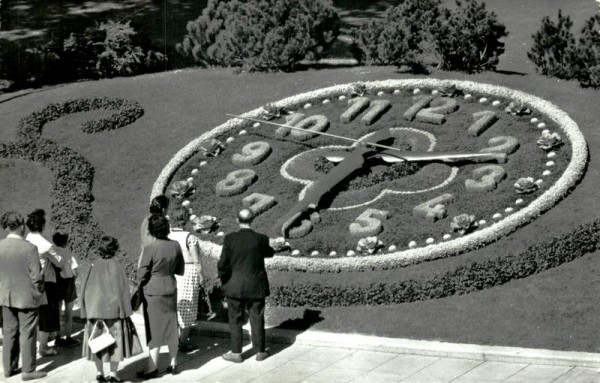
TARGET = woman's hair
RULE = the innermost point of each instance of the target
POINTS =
(158, 226)
(11, 220)
(60, 239)
(179, 216)
(108, 247)
(159, 204)
(36, 220)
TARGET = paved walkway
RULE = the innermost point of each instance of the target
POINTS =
(312, 356)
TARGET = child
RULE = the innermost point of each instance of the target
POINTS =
(66, 288)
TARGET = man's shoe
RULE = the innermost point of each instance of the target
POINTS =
(33, 375)
(262, 356)
(147, 375)
(59, 342)
(232, 357)
(48, 352)
(70, 342)
(186, 347)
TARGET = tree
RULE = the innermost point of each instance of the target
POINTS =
(262, 35)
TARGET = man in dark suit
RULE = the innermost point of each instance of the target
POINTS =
(21, 293)
(245, 283)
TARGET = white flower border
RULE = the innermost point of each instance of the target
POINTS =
(549, 198)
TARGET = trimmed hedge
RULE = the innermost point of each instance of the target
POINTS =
(73, 175)
(476, 276)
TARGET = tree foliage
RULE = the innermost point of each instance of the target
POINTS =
(402, 38)
(554, 48)
(468, 38)
(417, 33)
(588, 54)
(108, 50)
(260, 35)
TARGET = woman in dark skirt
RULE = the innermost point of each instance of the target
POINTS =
(105, 296)
(51, 262)
(161, 260)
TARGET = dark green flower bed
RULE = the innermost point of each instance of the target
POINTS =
(73, 175)
(349, 289)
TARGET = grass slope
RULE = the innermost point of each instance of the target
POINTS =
(179, 106)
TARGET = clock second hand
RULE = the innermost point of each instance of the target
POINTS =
(401, 155)
(373, 144)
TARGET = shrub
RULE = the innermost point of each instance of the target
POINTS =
(554, 49)
(468, 38)
(260, 35)
(108, 50)
(587, 61)
(73, 175)
(402, 38)
(462, 280)
(417, 33)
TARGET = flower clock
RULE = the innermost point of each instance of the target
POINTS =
(431, 168)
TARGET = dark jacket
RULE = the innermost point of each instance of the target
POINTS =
(21, 277)
(161, 260)
(242, 264)
(105, 291)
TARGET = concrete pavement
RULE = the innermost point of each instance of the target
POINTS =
(312, 356)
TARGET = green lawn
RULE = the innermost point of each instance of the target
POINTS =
(179, 106)
(556, 309)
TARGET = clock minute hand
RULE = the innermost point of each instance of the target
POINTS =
(446, 157)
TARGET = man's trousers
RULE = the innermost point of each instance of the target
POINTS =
(256, 313)
(19, 331)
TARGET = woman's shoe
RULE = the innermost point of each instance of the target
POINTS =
(148, 375)
(100, 378)
(113, 378)
(172, 370)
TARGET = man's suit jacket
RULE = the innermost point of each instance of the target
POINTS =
(160, 261)
(242, 264)
(21, 278)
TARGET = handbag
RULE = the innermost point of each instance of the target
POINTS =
(136, 298)
(100, 338)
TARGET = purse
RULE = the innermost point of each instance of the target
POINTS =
(100, 338)
(136, 298)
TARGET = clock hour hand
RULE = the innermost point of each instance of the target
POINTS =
(319, 190)
(314, 197)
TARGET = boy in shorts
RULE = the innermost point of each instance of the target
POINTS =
(66, 288)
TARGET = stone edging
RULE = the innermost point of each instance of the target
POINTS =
(415, 347)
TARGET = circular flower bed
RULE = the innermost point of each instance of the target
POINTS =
(500, 223)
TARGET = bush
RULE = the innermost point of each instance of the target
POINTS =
(554, 50)
(417, 33)
(73, 175)
(402, 38)
(468, 38)
(108, 50)
(476, 276)
(260, 35)
(587, 61)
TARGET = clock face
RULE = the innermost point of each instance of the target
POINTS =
(390, 172)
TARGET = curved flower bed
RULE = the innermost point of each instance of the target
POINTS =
(73, 175)
(551, 196)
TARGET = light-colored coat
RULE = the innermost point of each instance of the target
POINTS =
(21, 278)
